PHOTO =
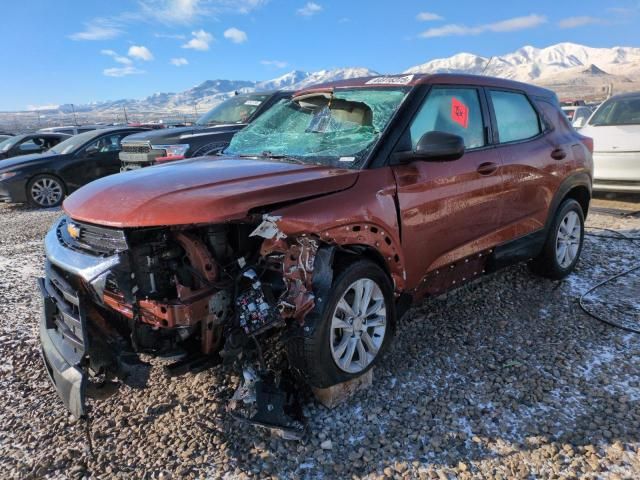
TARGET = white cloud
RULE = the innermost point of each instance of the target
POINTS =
(428, 17)
(310, 9)
(179, 62)
(186, 12)
(118, 58)
(171, 36)
(235, 35)
(509, 25)
(573, 22)
(122, 71)
(99, 29)
(140, 52)
(274, 63)
(200, 40)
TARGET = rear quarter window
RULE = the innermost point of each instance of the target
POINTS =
(515, 116)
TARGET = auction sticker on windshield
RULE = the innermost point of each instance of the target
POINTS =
(403, 80)
(253, 103)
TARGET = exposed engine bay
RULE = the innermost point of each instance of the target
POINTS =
(196, 297)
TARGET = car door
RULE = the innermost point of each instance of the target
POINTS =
(449, 210)
(533, 160)
(97, 159)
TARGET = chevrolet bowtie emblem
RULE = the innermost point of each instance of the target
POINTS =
(73, 230)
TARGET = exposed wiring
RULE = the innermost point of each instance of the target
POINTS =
(620, 236)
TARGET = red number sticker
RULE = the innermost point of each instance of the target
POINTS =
(459, 113)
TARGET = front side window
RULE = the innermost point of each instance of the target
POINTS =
(451, 110)
(110, 143)
(336, 128)
(31, 145)
(515, 116)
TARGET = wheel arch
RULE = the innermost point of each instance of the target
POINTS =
(577, 187)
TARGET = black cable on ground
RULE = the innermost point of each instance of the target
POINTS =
(620, 236)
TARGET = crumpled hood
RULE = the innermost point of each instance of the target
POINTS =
(198, 191)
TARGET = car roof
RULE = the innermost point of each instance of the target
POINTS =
(412, 80)
(43, 134)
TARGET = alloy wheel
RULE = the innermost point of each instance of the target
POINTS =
(46, 192)
(568, 239)
(358, 326)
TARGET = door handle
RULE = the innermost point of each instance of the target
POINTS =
(558, 154)
(487, 168)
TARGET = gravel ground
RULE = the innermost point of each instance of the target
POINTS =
(503, 378)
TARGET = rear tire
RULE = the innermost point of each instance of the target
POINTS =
(45, 191)
(563, 246)
(354, 330)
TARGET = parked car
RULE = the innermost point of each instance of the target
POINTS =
(211, 133)
(323, 221)
(71, 129)
(615, 129)
(578, 116)
(29, 143)
(44, 179)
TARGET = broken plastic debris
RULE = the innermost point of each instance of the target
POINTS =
(268, 228)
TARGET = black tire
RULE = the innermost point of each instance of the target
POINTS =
(547, 264)
(42, 201)
(311, 354)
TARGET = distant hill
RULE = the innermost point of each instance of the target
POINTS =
(572, 70)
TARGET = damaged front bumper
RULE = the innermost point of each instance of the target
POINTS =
(63, 342)
(63, 322)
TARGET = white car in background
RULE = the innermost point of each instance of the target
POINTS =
(577, 116)
(615, 129)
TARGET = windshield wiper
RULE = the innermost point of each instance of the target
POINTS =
(279, 156)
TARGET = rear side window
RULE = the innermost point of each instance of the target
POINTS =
(516, 118)
(451, 110)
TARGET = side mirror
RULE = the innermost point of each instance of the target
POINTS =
(440, 146)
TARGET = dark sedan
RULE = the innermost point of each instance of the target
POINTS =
(44, 179)
(28, 143)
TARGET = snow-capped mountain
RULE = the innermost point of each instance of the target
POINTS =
(572, 70)
(211, 92)
(530, 64)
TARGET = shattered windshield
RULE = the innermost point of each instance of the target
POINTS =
(330, 128)
(238, 109)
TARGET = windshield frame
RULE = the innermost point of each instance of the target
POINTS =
(371, 150)
(611, 101)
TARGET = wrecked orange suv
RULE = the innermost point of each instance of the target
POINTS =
(310, 235)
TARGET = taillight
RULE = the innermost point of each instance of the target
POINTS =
(587, 142)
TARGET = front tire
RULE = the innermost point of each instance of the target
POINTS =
(563, 246)
(45, 191)
(354, 330)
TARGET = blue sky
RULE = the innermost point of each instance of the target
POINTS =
(77, 51)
